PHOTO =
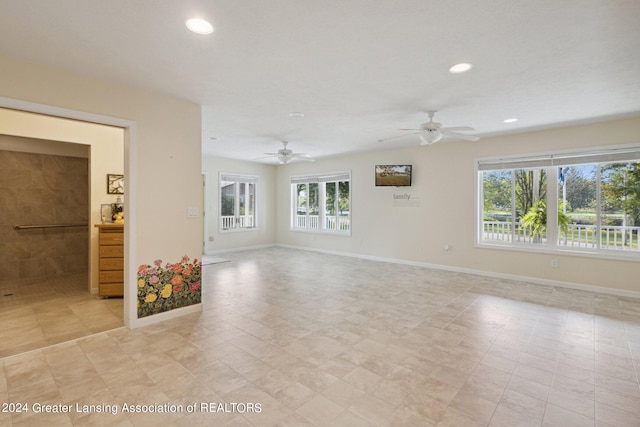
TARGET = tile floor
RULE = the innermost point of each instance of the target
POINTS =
(42, 312)
(320, 340)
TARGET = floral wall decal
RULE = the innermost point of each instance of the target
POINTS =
(165, 287)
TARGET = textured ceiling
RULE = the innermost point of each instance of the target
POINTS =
(357, 69)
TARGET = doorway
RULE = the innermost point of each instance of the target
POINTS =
(68, 307)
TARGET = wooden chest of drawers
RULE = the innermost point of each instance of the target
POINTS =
(110, 260)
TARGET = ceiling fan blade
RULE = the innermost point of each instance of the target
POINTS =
(462, 136)
(409, 129)
(303, 157)
(457, 128)
(271, 154)
(264, 157)
(399, 136)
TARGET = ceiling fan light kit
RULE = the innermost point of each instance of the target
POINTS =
(430, 137)
(432, 132)
(284, 158)
(284, 155)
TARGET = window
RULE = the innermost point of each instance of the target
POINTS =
(238, 202)
(322, 203)
(595, 196)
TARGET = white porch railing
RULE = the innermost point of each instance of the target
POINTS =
(612, 237)
(338, 223)
(244, 221)
(334, 223)
(577, 235)
(307, 221)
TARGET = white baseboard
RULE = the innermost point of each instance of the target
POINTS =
(240, 249)
(167, 315)
(534, 280)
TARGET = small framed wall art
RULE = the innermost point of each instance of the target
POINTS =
(115, 184)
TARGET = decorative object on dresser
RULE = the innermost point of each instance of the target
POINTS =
(111, 260)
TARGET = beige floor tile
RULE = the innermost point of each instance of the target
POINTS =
(560, 417)
(616, 416)
(53, 310)
(453, 417)
(363, 379)
(524, 404)
(359, 343)
(529, 388)
(320, 411)
(618, 399)
(376, 411)
(507, 417)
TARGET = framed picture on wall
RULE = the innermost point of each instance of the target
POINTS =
(115, 184)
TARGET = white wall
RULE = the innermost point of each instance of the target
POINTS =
(444, 182)
(265, 234)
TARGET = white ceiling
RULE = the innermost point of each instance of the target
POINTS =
(357, 69)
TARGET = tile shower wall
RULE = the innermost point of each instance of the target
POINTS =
(42, 189)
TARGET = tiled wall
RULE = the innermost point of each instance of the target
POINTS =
(42, 189)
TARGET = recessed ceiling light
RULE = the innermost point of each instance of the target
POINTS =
(296, 114)
(460, 68)
(511, 120)
(199, 26)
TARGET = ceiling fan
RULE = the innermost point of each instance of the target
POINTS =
(284, 155)
(432, 132)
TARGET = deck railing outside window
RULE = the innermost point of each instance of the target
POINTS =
(229, 222)
(576, 236)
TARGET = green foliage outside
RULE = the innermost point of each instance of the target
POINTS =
(621, 190)
(619, 187)
(536, 219)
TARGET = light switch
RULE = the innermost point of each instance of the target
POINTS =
(193, 212)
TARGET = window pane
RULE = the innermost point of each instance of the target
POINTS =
(598, 201)
(237, 201)
(330, 218)
(321, 203)
(246, 216)
(251, 203)
(301, 206)
(497, 217)
(227, 204)
(344, 220)
(242, 196)
(330, 199)
(301, 199)
(313, 205)
(620, 206)
(531, 206)
(577, 206)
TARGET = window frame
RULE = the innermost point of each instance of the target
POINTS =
(551, 161)
(238, 178)
(322, 218)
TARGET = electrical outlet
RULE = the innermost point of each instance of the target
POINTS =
(554, 263)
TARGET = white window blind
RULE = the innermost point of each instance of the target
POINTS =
(568, 159)
(249, 179)
(338, 176)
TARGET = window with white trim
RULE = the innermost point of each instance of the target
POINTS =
(238, 202)
(582, 201)
(321, 203)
